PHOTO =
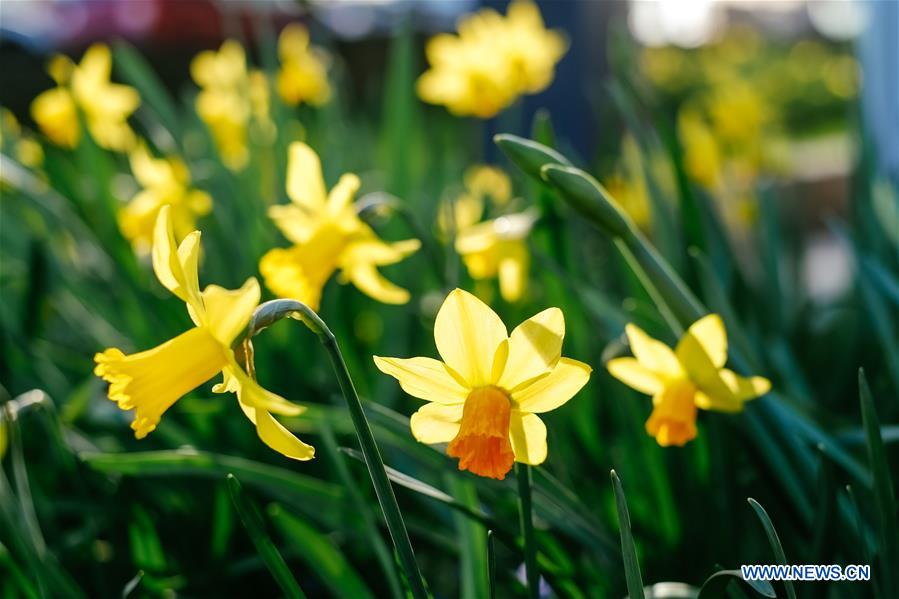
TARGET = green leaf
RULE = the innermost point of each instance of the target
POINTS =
(774, 541)
(137, 72)
(252, 521)
(883, 491)
(321, 554)
(628, 549)
(716, 583)
(589, 198)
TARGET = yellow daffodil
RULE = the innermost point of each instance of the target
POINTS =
(224, 102)
(485, 396)
(702, 154)
(328, 236)
(498, 248)
(151, 381)
(491, 62)
(86, 87)
(481, 182)
(303, 76)
(164, 182)
(680, 381)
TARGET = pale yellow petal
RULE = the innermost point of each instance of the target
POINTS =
(251, 393)
(372, 250)
(169, 260)
(436, 423)
(554, 389)
(189, 256)
(699, 367)
(709, 332)
(424, 378)
(275, 436)
(745, 387)
(534, 348)
(229, 310)
(467, 333)
(653, 354)
(295, 222)
(513, 271)
(528, 435)
(372, 283)
(342, 194)
(305, 184)
(632, 373)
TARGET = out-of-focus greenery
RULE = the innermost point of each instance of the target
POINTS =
(85, 510)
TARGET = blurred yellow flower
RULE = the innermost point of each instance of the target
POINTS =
(24, 147)
(737, 113)
(164, 182)
(303, 76)
(86, 87)
(498, 248)
(151, 381)
(481, 182)
(492, 61)
(702, 155)
(224, 102)
(485, 396)
(680, 381)
(328, 236)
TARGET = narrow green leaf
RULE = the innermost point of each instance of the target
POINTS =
(628, 549)
(883, 491)
(774, 541)
(252, 521)
(491, 564)
(135, 71)
(589, 198)
(321, 554)
(526, 518)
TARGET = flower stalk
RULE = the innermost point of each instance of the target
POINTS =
(523, 473)
(275, 310)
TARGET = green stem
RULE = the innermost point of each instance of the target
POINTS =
(523, 472)
(269, 313)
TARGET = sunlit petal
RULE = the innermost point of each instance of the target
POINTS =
(424, 378)
(467, 333)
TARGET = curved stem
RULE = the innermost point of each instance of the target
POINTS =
(273, 311)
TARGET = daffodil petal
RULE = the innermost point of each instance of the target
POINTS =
(709, 332)
(229, 310)
(535, 347)
(252, 394)
(632, 373)
(707, 377)
(745, 387)
(513, 271)
(305, 185)
(372, 283)
(528, 435)
(653, 354)
(295, 222)
(551, 391)
(343, 193)
(468, 333)
(176, 267)
(424, 378)
(276, 436)
(436, 423)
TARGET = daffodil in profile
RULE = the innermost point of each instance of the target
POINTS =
(151, 381)
(680, 381)
(303, 76)
(484, 397)
(328, 236)
(164, 182)
(86, 86)
(498, 249)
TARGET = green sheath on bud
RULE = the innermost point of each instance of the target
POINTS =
(528, 155)
(587, 196)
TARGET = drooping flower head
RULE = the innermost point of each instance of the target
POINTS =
(492, 61)
(86, 87)
(164, 182)
(485, 396)
(680, 381)
(303, 76)
(328, 236)
(150, 382)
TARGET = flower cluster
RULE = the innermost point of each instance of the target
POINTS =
(86, 87)
(491, 61)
